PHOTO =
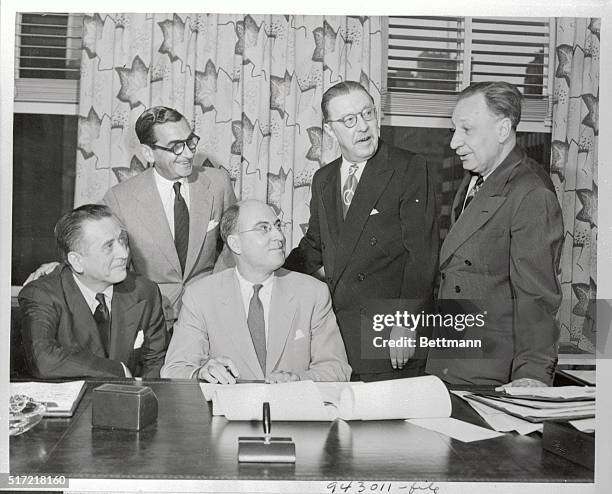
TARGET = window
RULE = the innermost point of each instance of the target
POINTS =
(431, 59)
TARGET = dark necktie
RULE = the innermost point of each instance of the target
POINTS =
(181, 225)
(256, 324)
(348, 189)
(102, 318)
(472, 193)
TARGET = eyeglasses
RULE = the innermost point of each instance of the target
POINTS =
(350, 120)
(179, 146)
(265, 228)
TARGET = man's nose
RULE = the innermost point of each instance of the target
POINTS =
(122, 249)
(455, 140)
(362, 123)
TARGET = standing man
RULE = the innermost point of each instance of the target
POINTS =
(501, 255)
(256, 321)
(373, 230)
(171, 210)
(84, 318)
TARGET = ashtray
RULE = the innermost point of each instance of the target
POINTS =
(24, 413)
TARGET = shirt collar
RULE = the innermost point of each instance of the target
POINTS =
(164, 183)
(90, 295)
(244, 283)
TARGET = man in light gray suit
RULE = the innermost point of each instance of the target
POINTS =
(501, 256)
(256, 321)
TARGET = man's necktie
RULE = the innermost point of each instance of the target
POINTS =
(181, 225)
(472, 192)
(102, 318)
(348, 190)
(256, 324)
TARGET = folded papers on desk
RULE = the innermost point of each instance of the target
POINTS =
(418, 397)
(60, 399)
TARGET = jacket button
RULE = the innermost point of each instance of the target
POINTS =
(443, 276)
(373, 241)
(467, 262)
(361, 276)
(323, 245)
(330, 280)
(457, 288)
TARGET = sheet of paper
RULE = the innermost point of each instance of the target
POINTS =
(498, 420)
(58, 397)
(566, 392)
(584, 425)
(586, 375)
(457, 429)
(415, 397)
(577, 412)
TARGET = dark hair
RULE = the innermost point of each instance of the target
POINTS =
(229, 221)
(340, 89)
(502, 98)
(69, 229)
(151, 117)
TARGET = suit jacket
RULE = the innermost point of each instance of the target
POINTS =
(303, 336)
(61, 338)
(500, 259)
(137, 204)
(386, 248)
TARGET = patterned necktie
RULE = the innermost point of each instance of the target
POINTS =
(348, 190)
(102, 318)
(256, 324)
(181, 225)
(472, 192)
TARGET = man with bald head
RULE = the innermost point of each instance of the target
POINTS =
(256, 321)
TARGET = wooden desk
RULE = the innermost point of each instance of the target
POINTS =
(188, 442)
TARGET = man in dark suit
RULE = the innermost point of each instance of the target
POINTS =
(171, 210)
(87, 316)
(373, 230)
(501, 256)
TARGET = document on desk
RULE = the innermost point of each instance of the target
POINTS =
(457, 429)
(61, 399)
(418, 397)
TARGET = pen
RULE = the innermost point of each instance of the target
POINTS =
(267, 425)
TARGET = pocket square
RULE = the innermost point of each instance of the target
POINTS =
(374, 211)
(212, 224)
(299, 335)
(139, 339)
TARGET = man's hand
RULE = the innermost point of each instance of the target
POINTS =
(524, 382)
(282, 377)
(400, 355)
(219, 370)
(41, 271)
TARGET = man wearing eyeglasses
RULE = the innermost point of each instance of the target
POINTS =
(373, 230)
(256, 321)
(172, 210)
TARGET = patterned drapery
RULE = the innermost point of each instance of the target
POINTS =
(251, 86)
(574, 173)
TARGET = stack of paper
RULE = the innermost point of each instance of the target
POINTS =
(541, 404)
(418, 397)
(60, 399)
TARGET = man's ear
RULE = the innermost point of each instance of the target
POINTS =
(504, 129)
(74, 259)
(234, 244)
(329, 131)
(147, 152)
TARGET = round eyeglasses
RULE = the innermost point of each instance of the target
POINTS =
(265, 228)
(179, 146)
(350, 120)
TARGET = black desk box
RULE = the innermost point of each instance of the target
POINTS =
(120, 406)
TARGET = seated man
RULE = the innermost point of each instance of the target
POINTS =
(256, 321)
(84, 318)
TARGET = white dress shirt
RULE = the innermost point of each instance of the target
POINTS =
(265, 295)
(166, 193)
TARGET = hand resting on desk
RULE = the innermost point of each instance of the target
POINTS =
(220, 370)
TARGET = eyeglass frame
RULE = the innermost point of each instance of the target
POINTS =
(349, 115)
(265, 228)
(184, 142)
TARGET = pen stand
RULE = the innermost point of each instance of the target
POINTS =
(266, 449)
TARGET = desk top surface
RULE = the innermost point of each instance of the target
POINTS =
(188, 442)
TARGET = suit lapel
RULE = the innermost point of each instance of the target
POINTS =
(201, 203)
(460, 197)
(330, 196)
(82, 317)
(153, 217)
(374, 180)
(126, 312)
(229, 300)
(280, 319)
(486, 202)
